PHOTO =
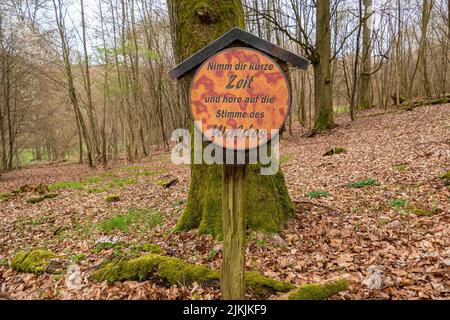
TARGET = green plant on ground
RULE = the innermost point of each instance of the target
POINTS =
(212, 254)
(93, 179)
(168, 231)
(101, 246)
(106, 174)
(143, 170)
(261, 243)
(36, 222)
(285, 158)
(398, 202)
(363, 183)
(121, 182)
(318, 194)
(96, 190)
(137, 217)
(341, 109)
(78, 257)
(76, 185)
(4, 262)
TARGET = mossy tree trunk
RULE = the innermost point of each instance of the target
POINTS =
(196, 23)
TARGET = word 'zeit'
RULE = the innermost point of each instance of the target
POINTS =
(239, 84)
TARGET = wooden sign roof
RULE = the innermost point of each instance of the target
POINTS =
(237, 34)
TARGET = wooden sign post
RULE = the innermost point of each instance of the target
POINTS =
(239, 99)
(232, 282)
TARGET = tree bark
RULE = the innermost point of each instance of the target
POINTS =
(322, 69)
(195, 24)
(365, 89)
(90, 108)
(397, 56)
(426, 10)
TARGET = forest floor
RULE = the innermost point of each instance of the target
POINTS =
(395, 219)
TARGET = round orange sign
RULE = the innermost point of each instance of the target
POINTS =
(239, 98)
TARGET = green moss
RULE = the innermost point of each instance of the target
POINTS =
(262, 285)
(112, 198)
(324, 119)
(166, 183)
(42, 198)
(35, 261)
(332, 151)
(176, 271)
(318, 291)
(151, 247)
(446, 178)
(5, 196)
(153, 266)
(424, 212)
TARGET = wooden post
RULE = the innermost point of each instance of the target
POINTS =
(233, 214)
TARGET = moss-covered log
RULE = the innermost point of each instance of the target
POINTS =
(195, 24)
(318, 291)
(35, 261)
(410, 105)
(171, 270)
